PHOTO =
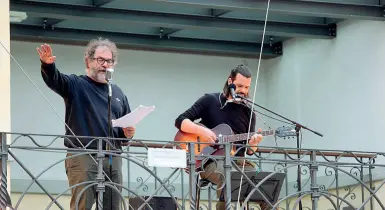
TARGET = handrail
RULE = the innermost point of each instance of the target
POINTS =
(336, 172)
(276, 151)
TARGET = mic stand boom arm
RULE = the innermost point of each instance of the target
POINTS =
(297, 129)
(299, 126)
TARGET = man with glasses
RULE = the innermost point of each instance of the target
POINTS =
(85, 99)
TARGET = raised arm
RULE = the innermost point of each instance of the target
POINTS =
(58, 82)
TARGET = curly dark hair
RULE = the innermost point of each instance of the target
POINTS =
(95, 43)
(240, 69)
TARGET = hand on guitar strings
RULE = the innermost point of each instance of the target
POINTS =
(209, 135)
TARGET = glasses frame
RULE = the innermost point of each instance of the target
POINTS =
(101, 61)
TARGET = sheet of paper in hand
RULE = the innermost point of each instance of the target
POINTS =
(134, 117)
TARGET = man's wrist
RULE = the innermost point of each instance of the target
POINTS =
(251, 150)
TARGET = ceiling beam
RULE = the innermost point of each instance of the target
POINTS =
(145, 42)
(99, 3)
(176, 21)
(348, 2)
(344, 9)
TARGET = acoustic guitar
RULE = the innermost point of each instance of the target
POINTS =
(224, 134)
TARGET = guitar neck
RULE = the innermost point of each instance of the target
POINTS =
(245, 136)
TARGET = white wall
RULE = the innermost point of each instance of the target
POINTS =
(336, 88)
(171, 82)
(333, 86)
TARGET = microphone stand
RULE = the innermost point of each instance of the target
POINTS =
(297, 129)
(109, 82)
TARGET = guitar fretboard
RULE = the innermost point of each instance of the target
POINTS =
(245, 136)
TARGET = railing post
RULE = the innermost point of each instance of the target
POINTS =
(182, 190)
(128, 175)
(100, 188)
(313, 186)
(227, 168)
(371, 183)
(4, 197)
(337, 184)
(286, 184)
(193, 180)
(362, 179)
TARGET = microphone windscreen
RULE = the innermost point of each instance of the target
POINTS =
(109, 73)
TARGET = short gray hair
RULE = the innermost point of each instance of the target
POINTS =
(99, 42)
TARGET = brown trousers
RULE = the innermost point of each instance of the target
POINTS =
(81, 169)
(214, 172)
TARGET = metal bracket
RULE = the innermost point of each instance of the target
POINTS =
(277, 48)
(333, 29)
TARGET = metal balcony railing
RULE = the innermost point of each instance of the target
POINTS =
(329, 179)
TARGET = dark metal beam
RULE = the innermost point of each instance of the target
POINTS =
(345, 9)
(218, 12)
(54, 22)
(176, 21)
(347, 2)
(146, 42)
(99, 3)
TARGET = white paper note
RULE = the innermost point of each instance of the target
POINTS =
(134, 117)
(169, 158)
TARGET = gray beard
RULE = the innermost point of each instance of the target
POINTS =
(98, 76)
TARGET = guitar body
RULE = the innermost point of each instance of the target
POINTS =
(203, 148)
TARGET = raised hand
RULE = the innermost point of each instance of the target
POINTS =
(45, 54)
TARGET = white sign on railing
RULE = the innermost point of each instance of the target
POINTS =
(170, 158)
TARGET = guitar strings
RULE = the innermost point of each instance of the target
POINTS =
(252, 105)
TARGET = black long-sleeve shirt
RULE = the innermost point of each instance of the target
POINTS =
(86, 106)
(209, 109)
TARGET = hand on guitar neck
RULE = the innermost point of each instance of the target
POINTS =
(254, 141)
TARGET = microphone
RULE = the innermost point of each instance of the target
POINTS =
(109, 73)
(232, 92)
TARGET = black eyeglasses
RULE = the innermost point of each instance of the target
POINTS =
(102, 60)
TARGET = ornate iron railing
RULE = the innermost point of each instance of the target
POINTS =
(329, 179)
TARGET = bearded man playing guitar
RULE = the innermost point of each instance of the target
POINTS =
(218, 109)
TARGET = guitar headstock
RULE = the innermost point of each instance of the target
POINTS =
(284, 132)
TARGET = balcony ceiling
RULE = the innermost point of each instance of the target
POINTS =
(215, 27)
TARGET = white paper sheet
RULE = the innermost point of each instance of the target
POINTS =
(133, 118)
(169, 158)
